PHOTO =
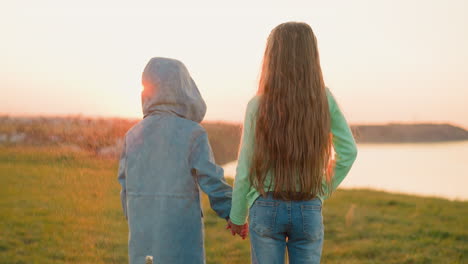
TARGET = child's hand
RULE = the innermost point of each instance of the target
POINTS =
(245, 231)
(241, 230)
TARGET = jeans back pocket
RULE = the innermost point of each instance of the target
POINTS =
(263, 216)
(312, 221)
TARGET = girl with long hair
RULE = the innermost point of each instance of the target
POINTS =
(296, 149)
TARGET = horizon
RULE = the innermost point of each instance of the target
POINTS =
(65, 59)
(227, 122)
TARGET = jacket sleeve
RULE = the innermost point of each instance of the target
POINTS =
(122, 179)
(210, 177)
(343, 143)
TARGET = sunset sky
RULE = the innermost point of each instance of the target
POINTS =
(385, 61)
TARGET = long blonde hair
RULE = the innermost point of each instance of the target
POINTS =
(292, 136)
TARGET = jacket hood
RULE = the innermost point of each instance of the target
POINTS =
(168, 88)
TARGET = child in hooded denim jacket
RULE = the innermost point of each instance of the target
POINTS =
(166, 158)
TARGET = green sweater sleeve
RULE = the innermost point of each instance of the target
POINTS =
(343, 143)
(239, 206)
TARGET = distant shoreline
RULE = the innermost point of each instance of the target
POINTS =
(104, 135)
(408, 133)
(414, 143)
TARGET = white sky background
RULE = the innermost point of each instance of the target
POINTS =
(385, 61)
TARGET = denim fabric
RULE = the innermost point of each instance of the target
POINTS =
(277, 225)
(166, 159)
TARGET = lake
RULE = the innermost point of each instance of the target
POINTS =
(428, 169)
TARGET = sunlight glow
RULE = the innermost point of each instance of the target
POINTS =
(385, 61)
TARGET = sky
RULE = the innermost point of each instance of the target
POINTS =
(385, 61)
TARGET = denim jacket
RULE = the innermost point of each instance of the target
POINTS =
(166, 159)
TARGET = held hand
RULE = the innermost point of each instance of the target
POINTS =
(241, 230)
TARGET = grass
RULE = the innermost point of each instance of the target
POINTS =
(60, 206)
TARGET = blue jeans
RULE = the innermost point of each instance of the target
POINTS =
(276, 225)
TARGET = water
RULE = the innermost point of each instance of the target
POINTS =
(433, 169)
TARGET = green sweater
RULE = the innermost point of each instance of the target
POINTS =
(244, 195)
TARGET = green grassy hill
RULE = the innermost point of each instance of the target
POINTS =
(62, 205)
